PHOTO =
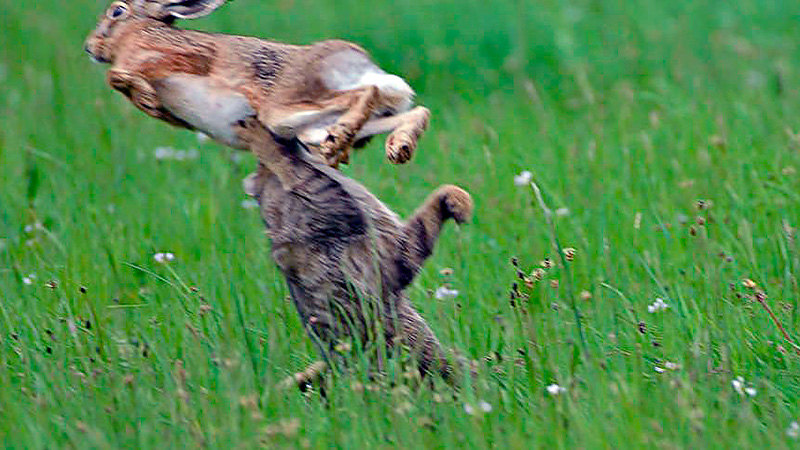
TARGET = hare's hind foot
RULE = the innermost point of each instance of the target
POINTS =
(400, 145)
(303, 380)
(335, 147)
(342, 134)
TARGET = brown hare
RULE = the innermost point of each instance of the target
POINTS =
(329, 94)
(346, 257)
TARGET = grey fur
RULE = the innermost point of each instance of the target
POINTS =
(346, 257)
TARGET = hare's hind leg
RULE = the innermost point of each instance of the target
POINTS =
(331, 124)
(421, 230)
(341, 135)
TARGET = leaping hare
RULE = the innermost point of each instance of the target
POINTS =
(329, 94)
(346, 257)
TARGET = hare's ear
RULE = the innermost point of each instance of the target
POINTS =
(188, 9)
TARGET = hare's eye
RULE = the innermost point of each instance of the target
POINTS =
(117, 11)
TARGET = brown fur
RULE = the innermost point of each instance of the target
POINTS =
(292, 89)
(346, 257)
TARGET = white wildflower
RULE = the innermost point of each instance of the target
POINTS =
(561, 212)
(249, 204)
(668, 365)
(164, 153)
(484, 406)
(555, 389)
(72, 327)
(29, 279)
(658, 305)
(169, 153)
(523, 178)
(31, 228)
(163, 258)
(794, 430)
(740, 386)
(444, 292)
(187, 154)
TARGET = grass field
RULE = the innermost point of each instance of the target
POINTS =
(663, 135)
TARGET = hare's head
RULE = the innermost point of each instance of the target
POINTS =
(125, 15)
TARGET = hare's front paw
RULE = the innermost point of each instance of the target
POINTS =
(120, 80)
(146, 100)
(141, 93)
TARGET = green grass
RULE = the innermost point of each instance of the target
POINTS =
(627, 113)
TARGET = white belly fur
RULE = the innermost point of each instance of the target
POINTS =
(205, 105)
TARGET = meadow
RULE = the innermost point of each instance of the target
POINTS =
(664, 138)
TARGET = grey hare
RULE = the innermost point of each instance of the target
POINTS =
(329, 94)
(346, 257)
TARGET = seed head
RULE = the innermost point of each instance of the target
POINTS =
(286, 427)
(343, 347)
(749, 284)
(702, 205)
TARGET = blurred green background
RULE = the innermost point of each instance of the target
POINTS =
(664, 133)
